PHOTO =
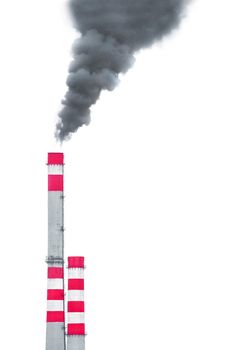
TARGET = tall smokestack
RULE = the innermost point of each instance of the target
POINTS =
(55, 329)
(75, 307)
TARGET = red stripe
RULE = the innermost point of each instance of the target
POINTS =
(76, 284)
(76, 328)
(75, 306)
(55, 316)
(55, 272)
(55, 158)
(76, 261)
(55, 182)
(55, 294)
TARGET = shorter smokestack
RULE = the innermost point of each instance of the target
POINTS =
(75, 306)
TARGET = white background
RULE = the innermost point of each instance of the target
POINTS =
(149, 184)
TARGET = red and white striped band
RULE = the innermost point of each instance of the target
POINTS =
(55, 171)
(55, 295)
(75, 306)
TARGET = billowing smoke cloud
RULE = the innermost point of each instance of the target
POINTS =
(111, 32)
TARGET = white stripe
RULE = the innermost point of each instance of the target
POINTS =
(54, 264)
(55, 169)
(76, 295)
(55, 283)
(76, 273)
(75, 317)
(55, 305)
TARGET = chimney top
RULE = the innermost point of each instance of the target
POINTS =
(55, 158)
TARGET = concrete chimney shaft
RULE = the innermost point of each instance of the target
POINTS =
(55, 327)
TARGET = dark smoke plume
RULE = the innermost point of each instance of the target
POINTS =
(111, 32)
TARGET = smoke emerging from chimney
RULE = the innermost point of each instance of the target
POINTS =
(112, 31)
